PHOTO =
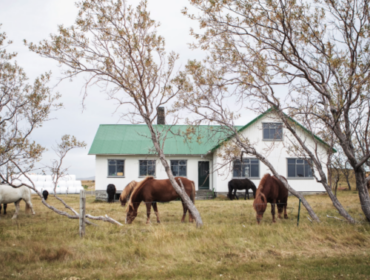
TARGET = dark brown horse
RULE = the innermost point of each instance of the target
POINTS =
(241, 184)
(151, 191)
(271, 190)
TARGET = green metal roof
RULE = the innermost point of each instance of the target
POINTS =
(128, 139)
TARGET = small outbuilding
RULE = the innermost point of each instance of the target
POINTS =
(124, 152)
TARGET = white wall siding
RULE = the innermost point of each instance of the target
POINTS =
(131, 170)
(277, 153)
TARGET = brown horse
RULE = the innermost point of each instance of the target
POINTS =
(271, 190)
(126, 194)
(151, 191)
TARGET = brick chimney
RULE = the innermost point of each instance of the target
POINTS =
(161, 116)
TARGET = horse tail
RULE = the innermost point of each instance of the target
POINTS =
(28, 208)
(27, 199)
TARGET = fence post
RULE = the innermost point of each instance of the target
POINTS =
(82, 212)
(299, 211)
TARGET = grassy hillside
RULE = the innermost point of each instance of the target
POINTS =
(229, 246)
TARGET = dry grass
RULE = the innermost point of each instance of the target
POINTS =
(230, 245)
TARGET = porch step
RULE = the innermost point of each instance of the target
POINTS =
(204, 194)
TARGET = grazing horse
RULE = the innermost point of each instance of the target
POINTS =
(111, 191)
(126, 194)
(45, 194)
(5, 205)
(9, 194)
(241, 184)
(271, 190)
(151, 190)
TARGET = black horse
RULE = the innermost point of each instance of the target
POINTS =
(241, 184)
(45, 194)
(5, 205)
(111, 191)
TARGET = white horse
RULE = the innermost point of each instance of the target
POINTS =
(8, 194)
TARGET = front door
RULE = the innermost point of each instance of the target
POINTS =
(203, 175)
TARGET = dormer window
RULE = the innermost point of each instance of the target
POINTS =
(272, 131)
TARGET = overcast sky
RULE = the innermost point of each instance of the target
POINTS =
(34, 21)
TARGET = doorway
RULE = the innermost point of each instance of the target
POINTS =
(203, 175)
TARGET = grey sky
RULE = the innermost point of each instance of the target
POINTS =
(34, 21)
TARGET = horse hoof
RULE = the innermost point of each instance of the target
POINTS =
(158, 222)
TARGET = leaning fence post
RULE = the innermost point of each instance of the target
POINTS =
(82, 212)
(299, 211)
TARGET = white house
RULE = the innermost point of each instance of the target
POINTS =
(125, 153)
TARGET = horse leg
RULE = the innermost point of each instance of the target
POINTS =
(16, 209)
(0, 208)
(280, 208)
(185, 209)
(154, 204)
(5, 206)
(285, 206)
(273, 211)
(235, 194)
(148, 206)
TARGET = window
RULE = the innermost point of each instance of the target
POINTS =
(146, 168)
(178, 167)
(299, 168)
(248, 168)
(272, 131)
(116, 168)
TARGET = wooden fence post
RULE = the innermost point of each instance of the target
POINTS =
(82, 212)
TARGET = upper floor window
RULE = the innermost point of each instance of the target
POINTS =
(248, 168)
(272, 131)
(299, 168)
(146, 168)
(116, 167)
(178, 167)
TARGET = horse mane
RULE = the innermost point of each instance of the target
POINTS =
(127, 191)
(137, 188)
(263, 182)
(260, 196)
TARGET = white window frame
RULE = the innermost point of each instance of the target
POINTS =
(186, 167)
(155, 168)
(296, 177)
(269, 139)
(124, 168)
(250, 177)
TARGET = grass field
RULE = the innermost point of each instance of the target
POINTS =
(229, 246)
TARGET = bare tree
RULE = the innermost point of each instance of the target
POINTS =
(311, 59)
(118, 47)
(23, 108)
(341, 167)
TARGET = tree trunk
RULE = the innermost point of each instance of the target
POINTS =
(183, 195)
(347, 179)
(363, 193)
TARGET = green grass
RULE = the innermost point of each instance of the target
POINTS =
(229, 246)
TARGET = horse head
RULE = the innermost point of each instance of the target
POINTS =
(260, 205)
(126, 193)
